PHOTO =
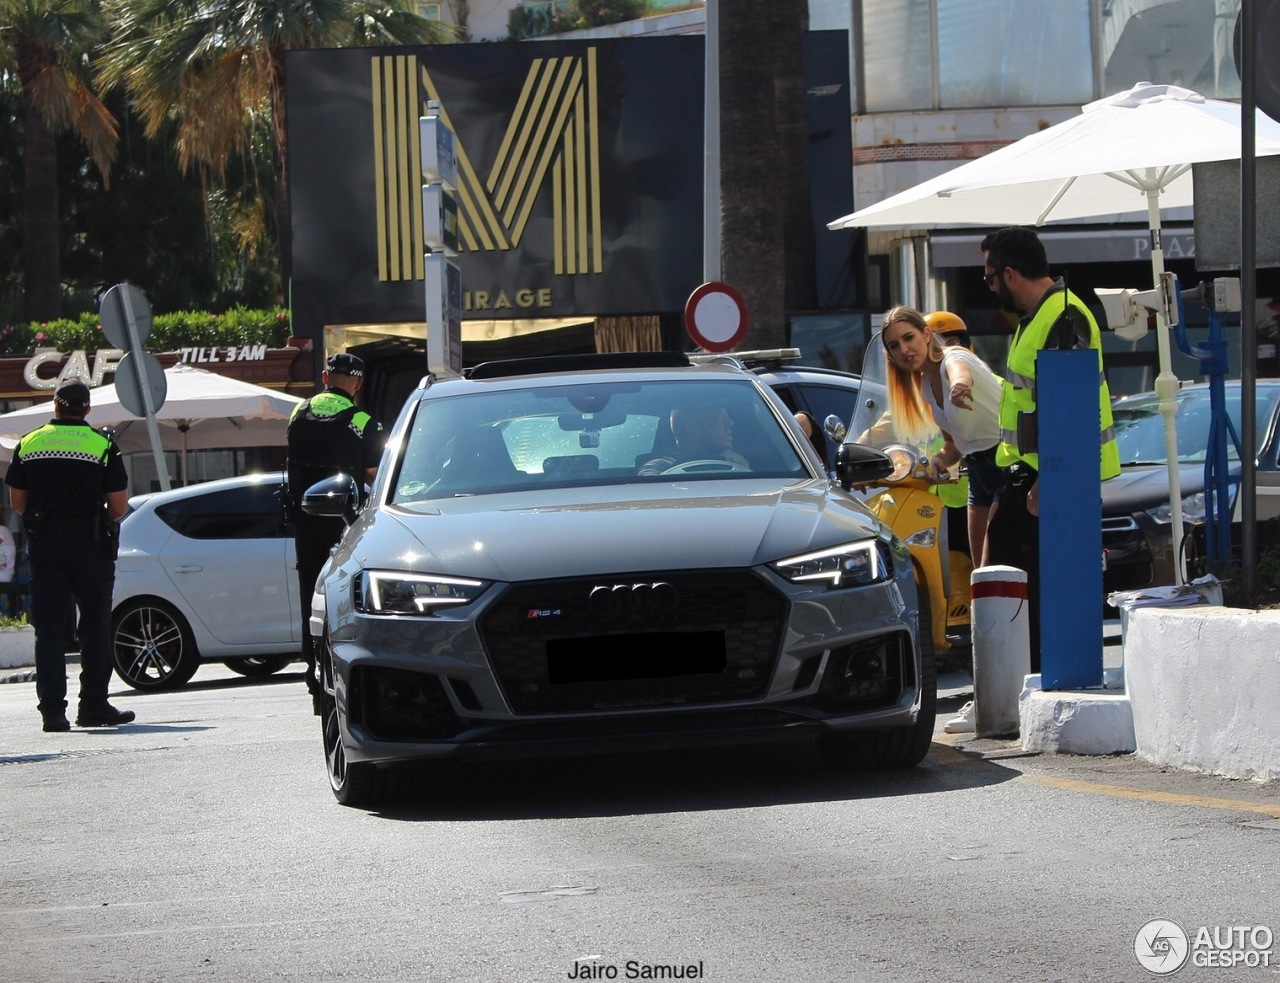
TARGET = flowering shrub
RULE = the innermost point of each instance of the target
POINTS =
(169, 332)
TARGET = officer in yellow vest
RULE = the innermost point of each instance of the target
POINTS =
(1017, 271)
(328, 435)
(68, 482)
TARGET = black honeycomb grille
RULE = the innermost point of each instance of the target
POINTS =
(688, 638)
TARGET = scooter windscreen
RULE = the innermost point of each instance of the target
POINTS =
(872, 422)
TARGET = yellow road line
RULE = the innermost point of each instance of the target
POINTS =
(1149, 795)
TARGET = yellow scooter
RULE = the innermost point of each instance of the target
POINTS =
(908, 501)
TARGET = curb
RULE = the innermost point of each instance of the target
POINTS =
(21, 676)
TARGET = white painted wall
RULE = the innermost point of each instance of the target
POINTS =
(1204, 684)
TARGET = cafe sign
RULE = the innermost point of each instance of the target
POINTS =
(46, 368)
(37, 373)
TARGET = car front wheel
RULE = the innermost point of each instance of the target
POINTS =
(896, 747)
(153, 646)
(353, 784)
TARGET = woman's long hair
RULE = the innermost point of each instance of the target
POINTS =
(911, 419)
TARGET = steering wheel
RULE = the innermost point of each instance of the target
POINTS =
(710, 465)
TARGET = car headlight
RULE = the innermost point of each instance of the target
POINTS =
(851, 565)
(1194, 508)
(394, 592)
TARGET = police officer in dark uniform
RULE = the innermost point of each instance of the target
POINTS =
(328, 435)
(68, 481)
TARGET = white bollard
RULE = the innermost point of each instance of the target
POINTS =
(1001, 647)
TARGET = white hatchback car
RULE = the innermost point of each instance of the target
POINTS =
(205, 573)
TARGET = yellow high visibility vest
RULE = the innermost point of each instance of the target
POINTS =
(1018, 395)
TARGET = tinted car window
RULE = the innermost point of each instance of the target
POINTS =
(824, 401)
(237, 513)
(1140, 427)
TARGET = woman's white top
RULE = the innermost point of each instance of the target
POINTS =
(976, 429)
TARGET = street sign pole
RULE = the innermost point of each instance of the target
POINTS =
(137, 355)
(443, 279)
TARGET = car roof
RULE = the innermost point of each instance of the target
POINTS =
(205, 487)
(810, 373)
(535, 372)
(778, 365)
(600, 361)
(1148, 395)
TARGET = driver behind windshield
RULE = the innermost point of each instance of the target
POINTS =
(702, 433)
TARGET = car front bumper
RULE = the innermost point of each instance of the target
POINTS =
(745, 656)
(1137, 551)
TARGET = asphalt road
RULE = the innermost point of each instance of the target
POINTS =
(202, 844)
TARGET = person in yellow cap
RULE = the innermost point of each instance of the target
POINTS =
(68, 481)
(950, 329)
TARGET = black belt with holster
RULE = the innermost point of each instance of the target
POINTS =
(1021, 474)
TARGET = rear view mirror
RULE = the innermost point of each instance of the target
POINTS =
(858, 464)
(337, 497)
(591, 422)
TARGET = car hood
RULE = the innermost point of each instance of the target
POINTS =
(571, 532)
(1146, 486)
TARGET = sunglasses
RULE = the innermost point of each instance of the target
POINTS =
(989, 278)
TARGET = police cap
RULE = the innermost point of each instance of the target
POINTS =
(344, 363)
(72, 392)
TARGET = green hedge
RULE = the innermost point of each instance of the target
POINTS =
(539, 19)
(169, 332)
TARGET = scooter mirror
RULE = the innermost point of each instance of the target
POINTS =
(834, 428)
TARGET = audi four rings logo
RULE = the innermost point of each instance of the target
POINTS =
(632, 600)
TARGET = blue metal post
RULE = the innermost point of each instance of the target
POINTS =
(1070, 519)
(1218, 479)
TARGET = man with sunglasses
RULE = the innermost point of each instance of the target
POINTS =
(1017, 272)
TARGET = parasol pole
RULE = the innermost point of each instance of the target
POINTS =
(1166, 382)
(183, 427)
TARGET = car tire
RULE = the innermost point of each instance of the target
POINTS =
(924, 622)
(353, 784)
(152, 645)
(896, 747)
(258, 666)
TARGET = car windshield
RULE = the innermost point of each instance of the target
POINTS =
(596, 433)
(1140, 427)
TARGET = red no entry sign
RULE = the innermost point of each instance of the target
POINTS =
(716, 317)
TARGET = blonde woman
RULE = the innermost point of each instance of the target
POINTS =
(934, 387)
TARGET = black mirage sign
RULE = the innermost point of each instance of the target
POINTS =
(579, 177)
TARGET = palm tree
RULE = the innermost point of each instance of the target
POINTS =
(214, 67)
(46, 43)
(766, 228)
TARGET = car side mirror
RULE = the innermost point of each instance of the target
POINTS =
(337, 497)
(858, 464)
